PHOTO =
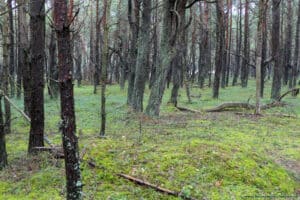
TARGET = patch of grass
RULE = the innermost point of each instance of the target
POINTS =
(209, 155)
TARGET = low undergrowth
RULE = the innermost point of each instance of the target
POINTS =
(205, 156)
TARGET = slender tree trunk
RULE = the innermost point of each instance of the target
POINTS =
(105, 63)
(245, 66)
(238, 46)
(144, 46)
(3, 154)
(293, 79)
(259, 40)
(24, 54)
(65, 64)
(97, 49)
(5, 71)
(53, 71)
(276, 84)
(264, 52)
(288, 44)
(134, 21)
(37, 47)
(220, 47)
(11, 49)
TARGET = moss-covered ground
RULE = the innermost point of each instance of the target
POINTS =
(226, 155)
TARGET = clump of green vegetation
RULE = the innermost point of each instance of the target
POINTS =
(209, 155)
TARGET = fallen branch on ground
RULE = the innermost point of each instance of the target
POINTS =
(187, 110)
(23, 114)
(57, 152)
(157, 188)
(294, 91)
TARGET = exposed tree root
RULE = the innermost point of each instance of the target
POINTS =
(155, 187)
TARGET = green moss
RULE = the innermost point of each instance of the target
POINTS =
(213, 156)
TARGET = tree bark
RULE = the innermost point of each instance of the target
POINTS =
(163, 63)
(220, 51)
(5, 71)
(144, 47)
(245, 65)
(3, 153)
(68, 127)
(238, 46)
(259, 40)
(11, 49)
(293, 79)
(134, 21)
(276, 84)
(105, 63)
(288, 44)
(37, 62)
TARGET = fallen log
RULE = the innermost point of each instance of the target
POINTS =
(231, 105)
(155, 187)
(183, 109)
(57, 152)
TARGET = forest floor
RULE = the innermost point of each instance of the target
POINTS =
(227, 155)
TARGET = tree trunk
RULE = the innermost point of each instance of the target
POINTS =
(105, 63)
(24, 53)
(238, 46)
(264, 52)
(144, 47)
(97, 49)
(259, 40)
(288, 44)
(246, 60)
(3, 154)
(53, 73)
(11, 49)
(134, 21)
(163, 63)
(5, 71)
(293, 79)
(220, 47)
(68, 127)
(37, 47)
(276, 84)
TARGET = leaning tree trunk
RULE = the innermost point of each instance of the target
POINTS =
(144, 47)
(37, 62)
(65, 64)
(163, 62)
(276, 84)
